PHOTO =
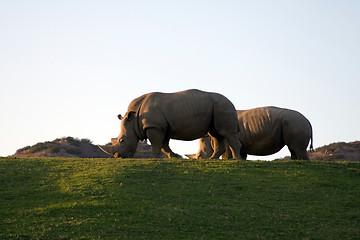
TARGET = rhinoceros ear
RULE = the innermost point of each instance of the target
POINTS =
(130, 115)
(113, 141)
(120, 117)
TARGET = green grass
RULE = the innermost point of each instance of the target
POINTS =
(178, 199)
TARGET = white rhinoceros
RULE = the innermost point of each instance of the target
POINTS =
(266, 130)
(186, 115)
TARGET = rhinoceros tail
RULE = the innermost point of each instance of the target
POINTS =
(311, 139)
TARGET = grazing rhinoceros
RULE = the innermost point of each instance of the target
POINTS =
(185, 115)
(265, 131)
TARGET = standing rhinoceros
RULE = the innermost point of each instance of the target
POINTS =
(185, 115)
(265, 131)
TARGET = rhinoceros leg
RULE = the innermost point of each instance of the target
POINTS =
(166, 149)
(304, 155)
(218, 144)
(228, 154)
(297, 146)
(234, 145)
(156, 139)
(299, 154)
(293, 154)
(219, 147)
(160, 143)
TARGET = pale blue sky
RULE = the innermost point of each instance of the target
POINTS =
(67, 68)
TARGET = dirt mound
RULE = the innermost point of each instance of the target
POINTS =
(334, 152)
(340, 151)
(62, 147)
(74, 148)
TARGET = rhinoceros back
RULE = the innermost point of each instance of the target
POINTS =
(188, 115)
(136, 103)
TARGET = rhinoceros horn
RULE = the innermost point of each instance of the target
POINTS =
(191, 156)
(107, 149)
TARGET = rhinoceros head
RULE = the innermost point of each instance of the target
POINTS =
(205, 150)
(125, 145)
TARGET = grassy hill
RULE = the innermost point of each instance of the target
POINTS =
(58, 198)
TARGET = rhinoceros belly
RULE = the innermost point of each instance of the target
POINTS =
(188, 128)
